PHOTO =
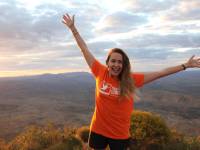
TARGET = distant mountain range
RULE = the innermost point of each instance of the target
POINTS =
(68, 99)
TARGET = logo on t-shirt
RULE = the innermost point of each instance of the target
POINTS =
(108, 89)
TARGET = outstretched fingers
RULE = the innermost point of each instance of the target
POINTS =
(198, 62)
(63, 21)
(67, 20)
(66, 17)
(73, 18)
(192, 58)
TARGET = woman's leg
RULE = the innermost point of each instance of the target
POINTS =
(97, 141)
(121, 144)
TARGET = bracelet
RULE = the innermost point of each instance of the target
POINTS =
(184, 67)
(74, 32)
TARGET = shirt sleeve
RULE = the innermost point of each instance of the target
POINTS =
(97, 68)
(138, 79)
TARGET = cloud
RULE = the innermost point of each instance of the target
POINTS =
(165, 41)
(154, 46)
(34, 37)
(22, 31)
(161, 54)
(120, 22)
(146, 6)
(184, 11)
(27, 30)
(100, 47)
(13, 24)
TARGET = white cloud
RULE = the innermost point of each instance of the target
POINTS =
(32, 35)
(146, 6)
(120, 22)
(184, 11)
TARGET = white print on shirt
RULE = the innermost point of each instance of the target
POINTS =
(108, 89)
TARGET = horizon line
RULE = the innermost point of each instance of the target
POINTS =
(25, 73)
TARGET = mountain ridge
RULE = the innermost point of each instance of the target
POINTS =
(68, 98)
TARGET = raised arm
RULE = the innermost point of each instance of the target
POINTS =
(191, 63)
(69, 22)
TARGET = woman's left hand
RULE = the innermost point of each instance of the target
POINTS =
(68, 20)
(193, 62)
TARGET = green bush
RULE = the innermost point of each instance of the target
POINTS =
(69, 143)
(83, 133)
(181, 142)
(148, 131)
(36, 138)
(3, 145)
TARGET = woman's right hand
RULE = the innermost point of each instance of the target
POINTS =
(68, 21)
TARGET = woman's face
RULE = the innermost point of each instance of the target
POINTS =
(115, 64)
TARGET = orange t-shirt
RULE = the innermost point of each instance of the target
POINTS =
(111, 117)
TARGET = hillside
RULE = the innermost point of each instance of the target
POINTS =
(69, 99)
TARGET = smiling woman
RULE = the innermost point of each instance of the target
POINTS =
(115, 86)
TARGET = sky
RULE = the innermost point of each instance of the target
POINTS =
(154, 33)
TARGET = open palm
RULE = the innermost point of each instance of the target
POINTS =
(68, 21)
(192, 62)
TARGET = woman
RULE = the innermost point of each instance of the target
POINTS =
(115, 85)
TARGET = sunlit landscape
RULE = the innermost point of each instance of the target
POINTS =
(44, 77)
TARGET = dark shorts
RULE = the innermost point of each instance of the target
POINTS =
(98, 141)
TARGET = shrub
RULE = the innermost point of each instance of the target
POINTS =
(69, 143)
(181, 142)
(3, 145)
(83, 133)
(36, 138)
(148, 131)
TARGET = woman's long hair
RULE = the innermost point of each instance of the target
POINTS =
(127, 86)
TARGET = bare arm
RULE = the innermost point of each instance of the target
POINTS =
(191, 63)
(69, 22)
